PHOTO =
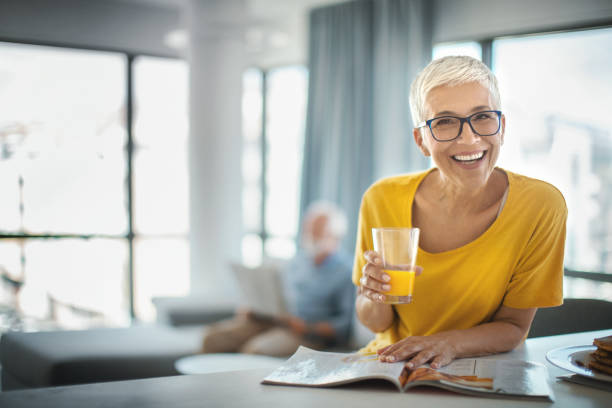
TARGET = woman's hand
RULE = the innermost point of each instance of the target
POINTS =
(418, 350)
(371, 309)
(506, 330)
(374, 281)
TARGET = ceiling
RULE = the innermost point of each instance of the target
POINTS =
(276, 32)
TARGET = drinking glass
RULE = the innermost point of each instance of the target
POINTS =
(398, 248)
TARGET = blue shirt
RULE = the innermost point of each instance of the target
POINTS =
(325, 292)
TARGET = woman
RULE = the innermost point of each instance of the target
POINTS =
(492, 241)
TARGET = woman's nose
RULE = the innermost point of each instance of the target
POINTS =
(467, 135)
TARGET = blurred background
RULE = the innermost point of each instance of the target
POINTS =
(145, 144)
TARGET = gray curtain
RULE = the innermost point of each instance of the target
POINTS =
(362, 57)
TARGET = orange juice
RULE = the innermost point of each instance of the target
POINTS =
(402, 283)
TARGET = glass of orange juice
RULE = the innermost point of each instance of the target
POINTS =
(398, 249)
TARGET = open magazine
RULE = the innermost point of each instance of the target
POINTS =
(484, 377)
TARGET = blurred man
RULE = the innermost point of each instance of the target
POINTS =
(318, 291)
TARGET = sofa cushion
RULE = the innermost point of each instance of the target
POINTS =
(186, 311)
(42, 359)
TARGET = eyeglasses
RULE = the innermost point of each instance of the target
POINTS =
(448, 128)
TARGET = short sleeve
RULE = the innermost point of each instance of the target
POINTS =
(363, 241)
(538, 278)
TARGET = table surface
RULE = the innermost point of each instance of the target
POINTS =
(221, 362)
(243, 388)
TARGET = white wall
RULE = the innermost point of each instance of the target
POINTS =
(456, 20)
(217, 61)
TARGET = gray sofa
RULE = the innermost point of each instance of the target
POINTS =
(51, 358)
(42, 359)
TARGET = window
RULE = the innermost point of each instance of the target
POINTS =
(71, 205)
(62, 174)
(470, 48)
(557, 103)
(556, 91)
(274, 110)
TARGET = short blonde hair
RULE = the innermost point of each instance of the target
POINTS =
(450, 71)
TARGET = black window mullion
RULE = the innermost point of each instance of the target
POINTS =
(23, 235)
(129, 120)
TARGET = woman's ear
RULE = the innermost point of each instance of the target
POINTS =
(418, 139)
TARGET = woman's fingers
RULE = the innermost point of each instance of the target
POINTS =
(374, 281)
(392, 348)
(441, 360)
(382, 350)
(404, 352)
(372, 257)
(415, 354)
(418, 350)
(372, 289)
(393, 351)
(375, 272)
(373, 295)
(421, 358)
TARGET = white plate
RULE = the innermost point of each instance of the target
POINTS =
(575, 359)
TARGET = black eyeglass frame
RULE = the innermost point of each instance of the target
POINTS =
(467, 119)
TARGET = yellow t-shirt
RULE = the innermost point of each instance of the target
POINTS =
(517, 261)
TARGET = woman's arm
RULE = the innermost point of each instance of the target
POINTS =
(374, 314)
(506, 330)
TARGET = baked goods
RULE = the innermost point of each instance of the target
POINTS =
(603, 353)
(595, 365)
(603, 343)
(601, 359)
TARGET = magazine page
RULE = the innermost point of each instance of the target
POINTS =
(485, 376)
(313, 368)
(261, 289)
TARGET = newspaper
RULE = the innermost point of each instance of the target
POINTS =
(484, 377)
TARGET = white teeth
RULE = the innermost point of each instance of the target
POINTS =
(470, 157)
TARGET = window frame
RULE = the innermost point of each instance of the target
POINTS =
(130, 236)
(262, 232)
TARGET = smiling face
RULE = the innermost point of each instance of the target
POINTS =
(469, 160)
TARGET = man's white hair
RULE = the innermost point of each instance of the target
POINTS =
(450, 71)
(336, 219)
